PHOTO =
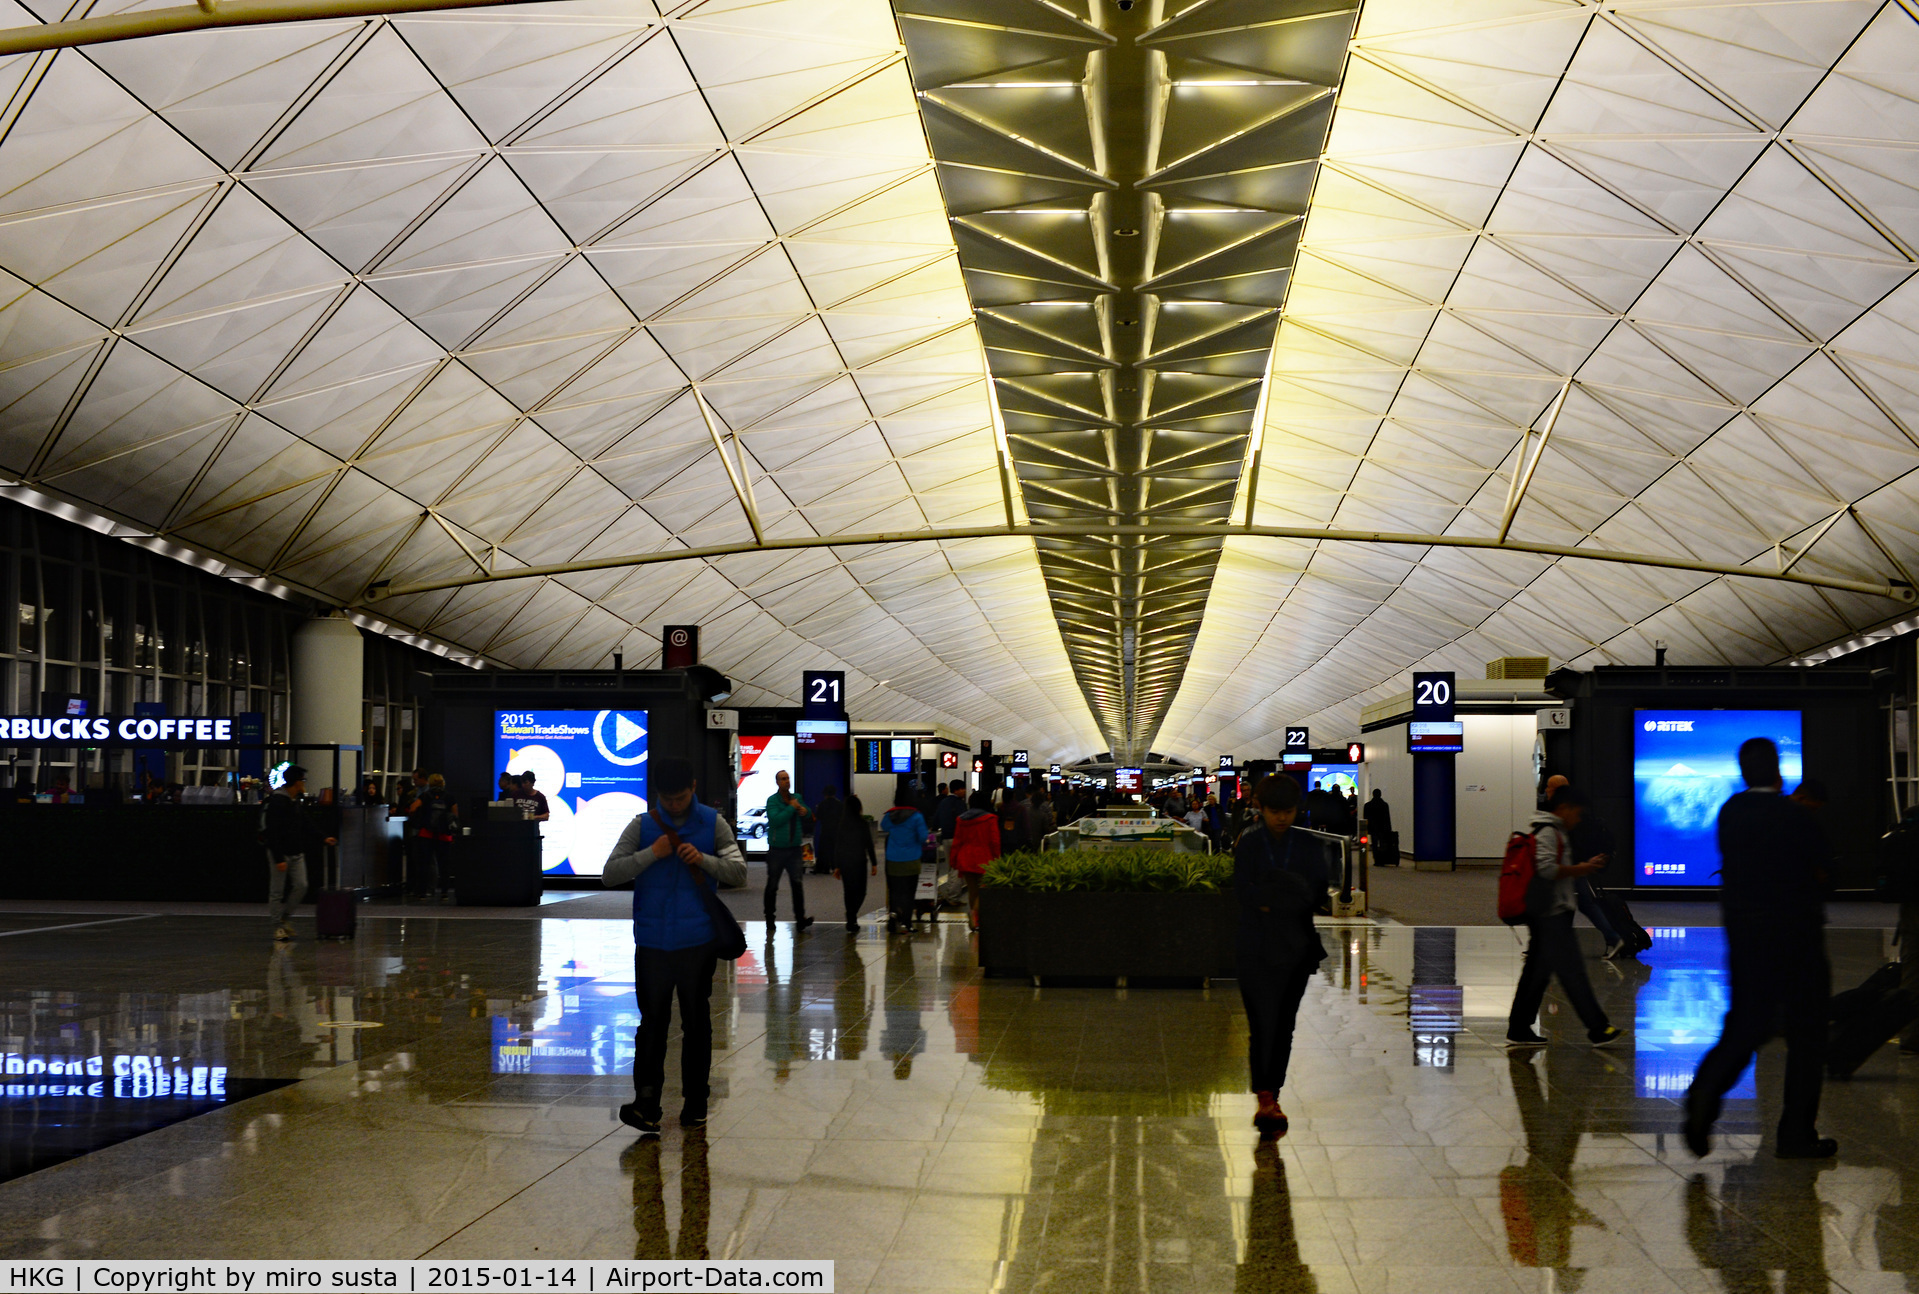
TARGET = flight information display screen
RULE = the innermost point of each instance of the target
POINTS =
(590, 765)
(1685, 766)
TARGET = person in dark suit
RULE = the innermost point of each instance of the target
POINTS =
(1772, 891)
(1280, 879)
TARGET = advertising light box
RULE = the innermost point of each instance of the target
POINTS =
(1685, 766)
(590, 765)
(762, 760)
(899, 757)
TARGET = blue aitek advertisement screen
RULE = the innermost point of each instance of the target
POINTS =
(591, 766)
(1685, 766)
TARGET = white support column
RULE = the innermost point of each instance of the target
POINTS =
(329, 680)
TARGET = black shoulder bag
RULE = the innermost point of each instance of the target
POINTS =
(729, 941)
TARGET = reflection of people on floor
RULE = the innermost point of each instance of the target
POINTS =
(849, 1007)
(1767, 1219)
(901, 1038)
(782, 1000)
(642, 1161)
(1272, 1264)
(1536, 1198)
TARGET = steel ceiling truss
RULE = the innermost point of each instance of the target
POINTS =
(1126, 188)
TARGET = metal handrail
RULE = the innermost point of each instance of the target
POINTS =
(1353, 855)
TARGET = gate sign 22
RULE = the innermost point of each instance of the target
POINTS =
(823, 693)
(1433, 697)
(1298, 741)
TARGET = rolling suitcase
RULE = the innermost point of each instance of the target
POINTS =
(1869, 1027)
(1621, 918)
(333, 914)
(333, 911)
(1848, 1004)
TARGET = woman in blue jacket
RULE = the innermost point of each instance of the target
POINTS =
(673, 936)
(904, 827)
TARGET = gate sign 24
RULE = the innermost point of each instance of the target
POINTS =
(1433, 697)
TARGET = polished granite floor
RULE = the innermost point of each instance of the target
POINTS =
(883, 1106)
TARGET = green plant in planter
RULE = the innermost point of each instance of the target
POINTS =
(1112, 871)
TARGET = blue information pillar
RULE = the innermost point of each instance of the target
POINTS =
(1435, 806)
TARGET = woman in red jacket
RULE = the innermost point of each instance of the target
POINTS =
(975, 844)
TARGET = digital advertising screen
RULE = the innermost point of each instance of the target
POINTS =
(590, 765)
(1685, 765)
(762, 760)
(899, 755)
(1343, 778)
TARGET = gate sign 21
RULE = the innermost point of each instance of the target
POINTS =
(1433, 697)
(823, 693)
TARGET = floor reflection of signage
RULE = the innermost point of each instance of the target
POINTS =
(1679, 1010)
(1437, 1013)
(583, 1021)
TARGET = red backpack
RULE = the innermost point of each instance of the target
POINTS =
(1516, 875)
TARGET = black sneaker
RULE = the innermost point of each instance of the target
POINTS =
(1527, 1039)
(693, 1114)
(1605, 1037)
(646, 1121)
(804, 922)
(852, 927)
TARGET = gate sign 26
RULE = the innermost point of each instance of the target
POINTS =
(1433, 697)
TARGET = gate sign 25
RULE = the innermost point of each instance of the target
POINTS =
(823, 693)
(1433, 697)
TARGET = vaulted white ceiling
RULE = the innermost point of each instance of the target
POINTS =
(395, 300)
(1704, 215)
(402, 300)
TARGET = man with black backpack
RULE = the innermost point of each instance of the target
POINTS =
(1552, 948)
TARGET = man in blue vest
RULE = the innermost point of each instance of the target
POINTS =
(673, 935)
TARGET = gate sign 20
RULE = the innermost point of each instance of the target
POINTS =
(1433, 697)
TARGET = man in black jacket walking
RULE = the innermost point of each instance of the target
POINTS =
(290, 837)
(1772, 891)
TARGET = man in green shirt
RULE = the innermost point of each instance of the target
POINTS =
(785, 831)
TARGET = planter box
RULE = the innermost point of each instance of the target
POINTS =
(1106, 936)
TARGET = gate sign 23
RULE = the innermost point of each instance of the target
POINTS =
(1433, 697)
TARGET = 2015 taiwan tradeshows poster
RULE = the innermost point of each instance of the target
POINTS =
(591, 765)
(1685, 766)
